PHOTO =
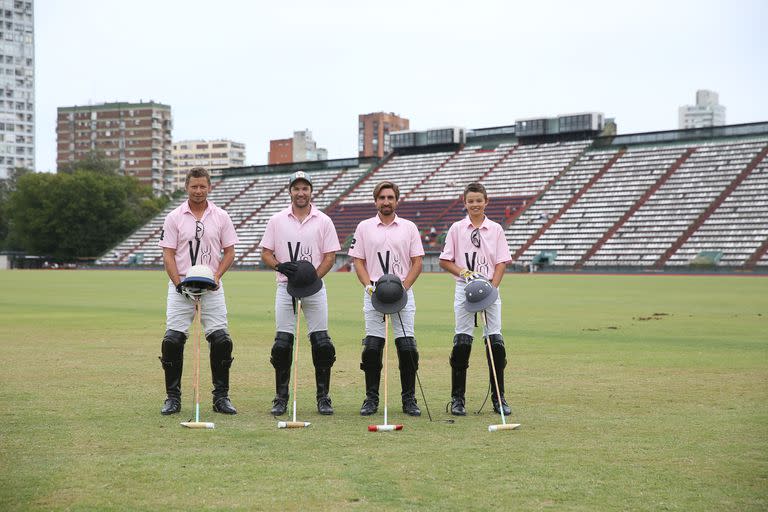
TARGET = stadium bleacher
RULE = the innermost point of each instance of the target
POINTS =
(670, 200)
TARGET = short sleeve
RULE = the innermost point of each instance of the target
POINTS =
(356, 249)
(169, 234)
(449, 249)
(502, 247)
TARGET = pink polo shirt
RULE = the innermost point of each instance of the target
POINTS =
(292, 240)
(478, 249)
(215, 232)
(386, 247)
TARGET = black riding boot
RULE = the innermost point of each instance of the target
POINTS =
(221, 361)
(371, 402)
(499, 362)
(323, 357)
(408, 356)
(462, 348)
(281, 361)
(458, 388)
(371, 359)
(172, 360)
(323, 383)
(280, 402)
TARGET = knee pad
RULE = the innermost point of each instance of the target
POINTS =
(373, 351)
(221, 347)
(499, 352)
(172, 347)
(281, 351)
(462, 347)
(323, 351)
(407, 353)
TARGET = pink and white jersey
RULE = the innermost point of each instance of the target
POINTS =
(201, 240)
(292, 240)
(386, 248)
(477, 249)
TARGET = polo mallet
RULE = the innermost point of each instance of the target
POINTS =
(385, 427)
(294, 423)
(504, 425)
(198, 325)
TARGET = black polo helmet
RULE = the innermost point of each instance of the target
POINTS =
(389, 296)
(304, 282)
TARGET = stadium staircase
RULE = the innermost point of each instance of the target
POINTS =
(759, 254)
(640, 202)
(529, 201)
(575, 197)
(712, 207)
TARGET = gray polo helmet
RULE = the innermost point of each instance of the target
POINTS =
(479, 294)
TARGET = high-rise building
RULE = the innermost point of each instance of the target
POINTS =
(706, 112)
(17, 86)
(301, 148)
(373, 132)
(136, 135)
(214, 154)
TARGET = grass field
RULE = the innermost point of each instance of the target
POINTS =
(634, 393)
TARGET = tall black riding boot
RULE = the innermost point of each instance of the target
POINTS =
(370, 363)
(323, 383)
(462, 348)
(221, 361)
(408, 356)
(499, 362)
(323, 357)
(172, 360)
(458, 388)
(371, 402)
(281, 361)
(280, 402)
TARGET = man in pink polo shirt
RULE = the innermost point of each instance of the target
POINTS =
(388, 244)
(475, 245)
(197, 232)
(300, 232)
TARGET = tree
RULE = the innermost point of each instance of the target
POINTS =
(7, 186)
(79, 214)
(95, 162)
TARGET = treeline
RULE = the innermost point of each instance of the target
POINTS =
(79, 212)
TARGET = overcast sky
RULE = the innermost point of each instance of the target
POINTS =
(251, 72)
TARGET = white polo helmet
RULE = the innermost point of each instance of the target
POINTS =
(199, 279)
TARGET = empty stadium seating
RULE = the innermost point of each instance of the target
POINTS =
(663, 203)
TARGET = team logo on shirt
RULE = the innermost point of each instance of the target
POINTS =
(299, 253)
(396, 267)
(476, 264)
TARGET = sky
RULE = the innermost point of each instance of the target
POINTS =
(251, 71)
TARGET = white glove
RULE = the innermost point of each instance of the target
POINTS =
(369, 289)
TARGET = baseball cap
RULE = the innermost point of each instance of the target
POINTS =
(300, 175)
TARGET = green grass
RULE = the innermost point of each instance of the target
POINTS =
(635, 393)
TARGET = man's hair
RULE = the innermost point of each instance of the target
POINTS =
(197, 172)
(475, 187)
(384, 185)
